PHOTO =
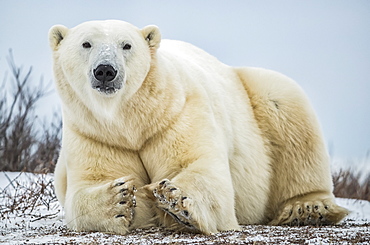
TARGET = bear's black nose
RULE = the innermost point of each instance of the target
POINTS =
(105, 73)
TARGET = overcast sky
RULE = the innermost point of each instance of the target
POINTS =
(323, 45)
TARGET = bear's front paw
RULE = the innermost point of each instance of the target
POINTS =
(125, 201)
(171, 200)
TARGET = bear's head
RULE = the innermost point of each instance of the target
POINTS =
(101, 60)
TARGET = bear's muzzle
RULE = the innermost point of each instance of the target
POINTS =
(104, 79)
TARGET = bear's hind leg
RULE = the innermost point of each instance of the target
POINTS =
(301, 184)
(311, 209)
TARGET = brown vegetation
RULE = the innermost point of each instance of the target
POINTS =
(348, 184)
(26, 144)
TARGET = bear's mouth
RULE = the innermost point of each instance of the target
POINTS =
(109, 90)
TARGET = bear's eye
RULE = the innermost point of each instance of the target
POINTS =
(126, 46)
(86, 45)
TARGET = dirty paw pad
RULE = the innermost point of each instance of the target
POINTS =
(170, 199)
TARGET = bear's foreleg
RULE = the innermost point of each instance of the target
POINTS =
(109, 207)
(199, 198)
(171, 200)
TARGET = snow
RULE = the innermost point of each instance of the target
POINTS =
(39, 220)
(360, 209)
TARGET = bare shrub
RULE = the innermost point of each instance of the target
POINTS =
(26, 194)
(348, 184)
(47, 148)
(22, 146)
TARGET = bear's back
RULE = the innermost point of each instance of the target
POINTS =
(187, 52)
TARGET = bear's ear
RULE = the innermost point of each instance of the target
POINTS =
(152, 35)
(56, 34)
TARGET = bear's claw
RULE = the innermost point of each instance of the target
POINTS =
(170, 199)
(125, 197)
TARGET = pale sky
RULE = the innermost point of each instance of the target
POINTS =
(323, 45)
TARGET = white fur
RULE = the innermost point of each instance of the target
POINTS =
(242, 144)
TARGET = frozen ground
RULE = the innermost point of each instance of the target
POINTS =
(30, 214)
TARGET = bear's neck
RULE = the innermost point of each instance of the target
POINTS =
(152, 109)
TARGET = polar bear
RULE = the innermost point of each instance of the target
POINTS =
(158, 132)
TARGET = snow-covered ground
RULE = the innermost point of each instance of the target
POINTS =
(30, 214)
